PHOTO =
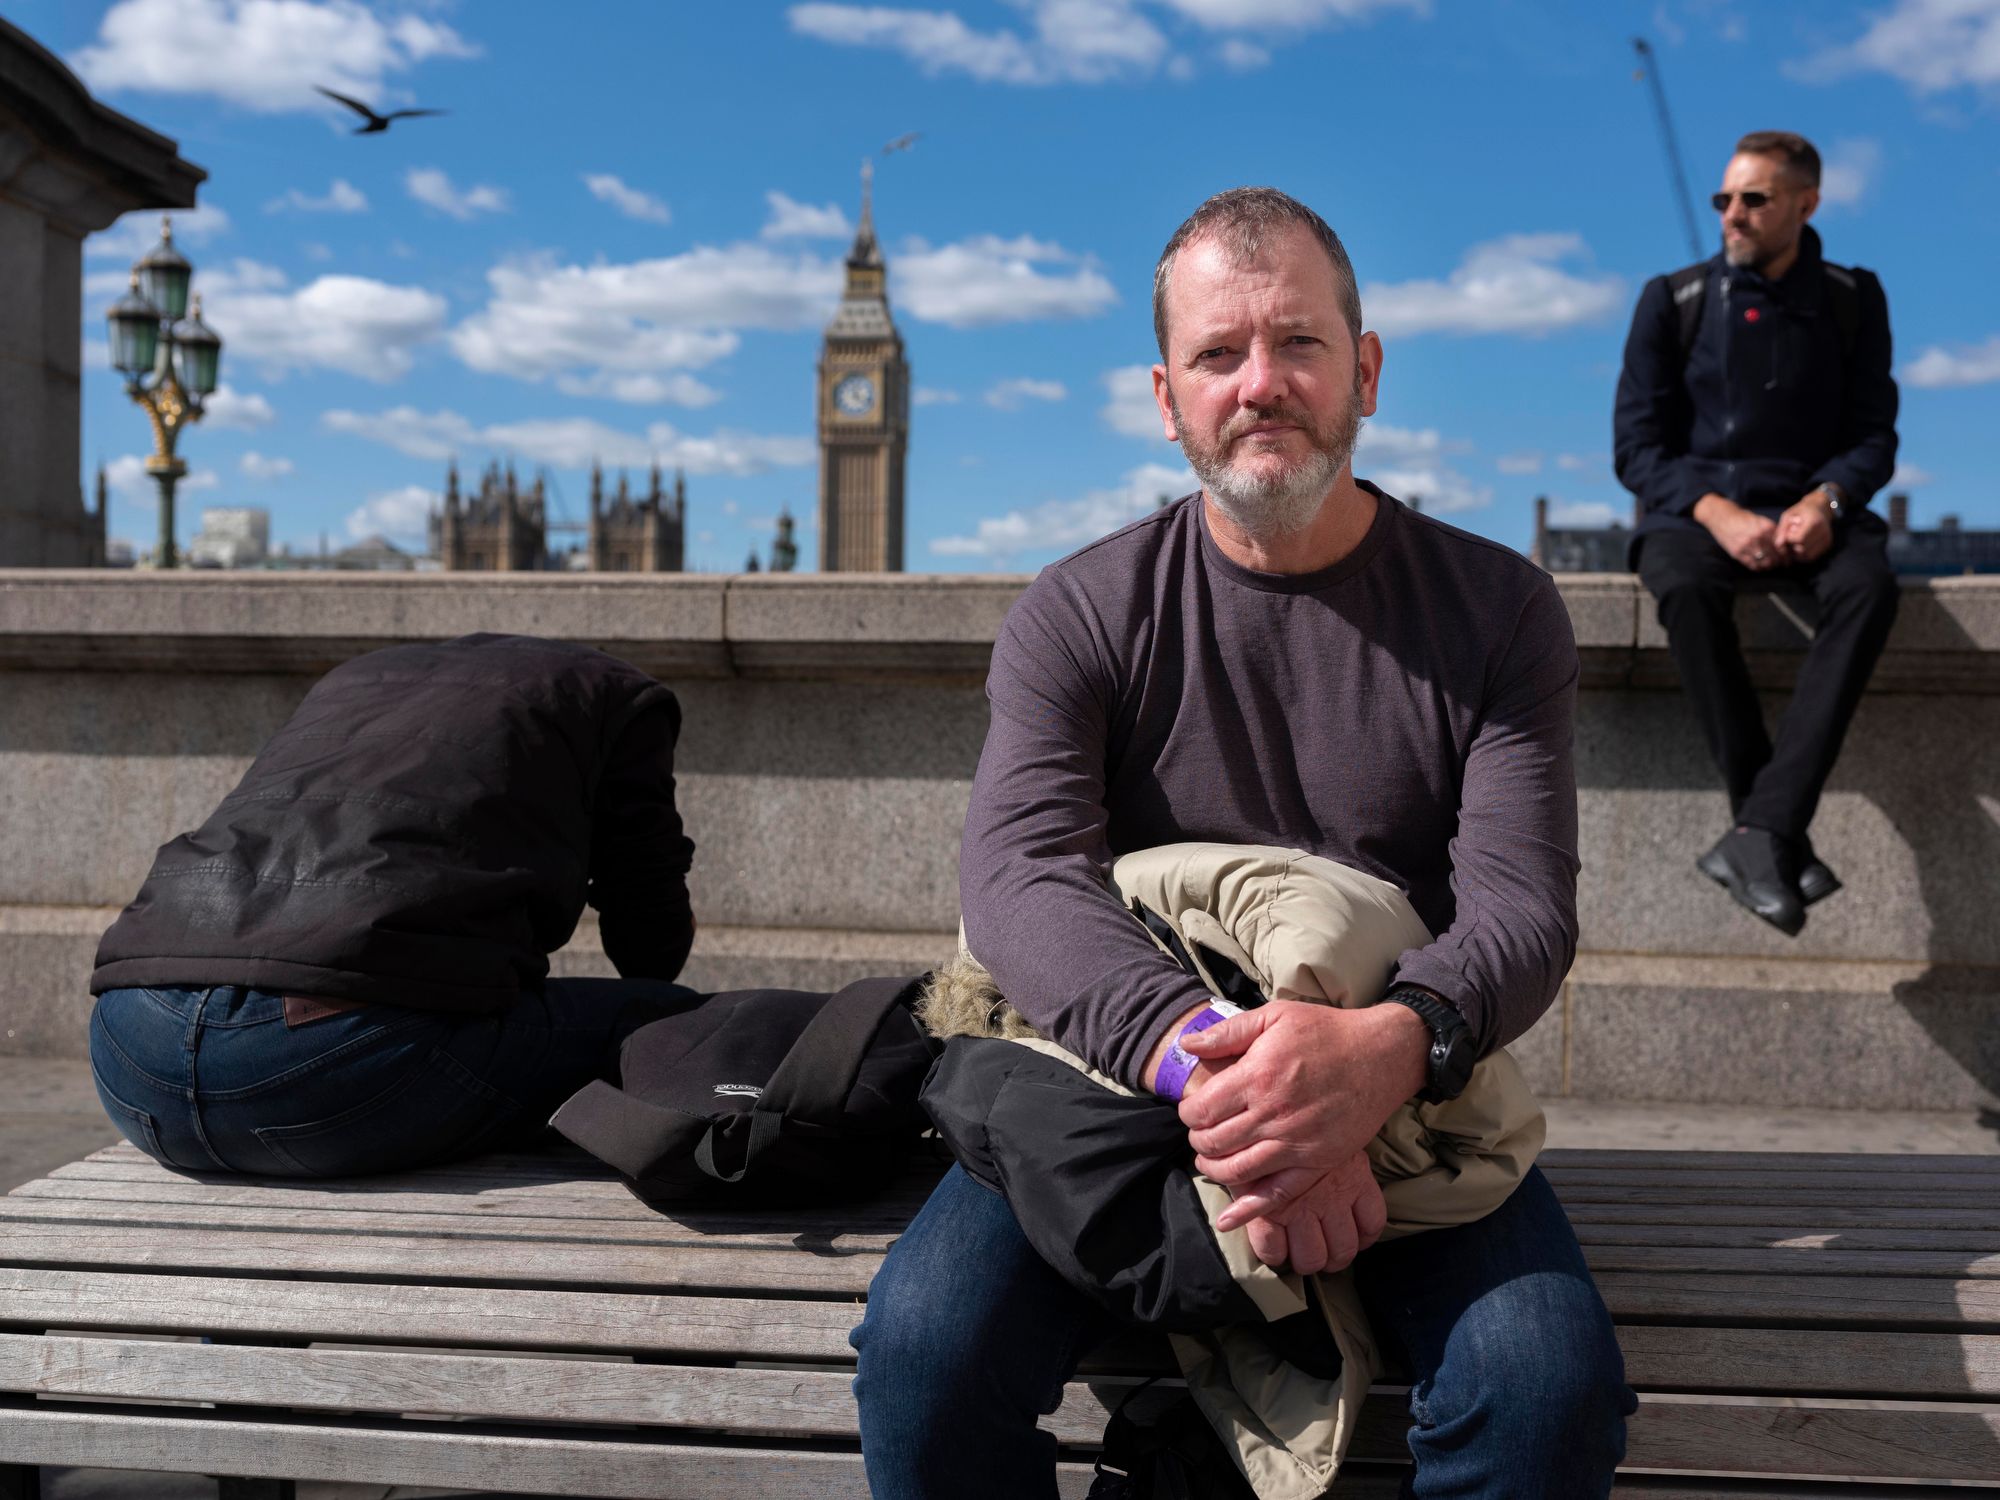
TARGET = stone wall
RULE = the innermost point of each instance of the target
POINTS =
(832, 725)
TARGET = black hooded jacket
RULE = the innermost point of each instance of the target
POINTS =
(425, 831)
(1769, 402)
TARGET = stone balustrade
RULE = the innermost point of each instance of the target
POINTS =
(832, 726)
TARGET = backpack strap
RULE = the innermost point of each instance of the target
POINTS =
(818, 1074)
(812, 1084)
(1843, 292)
(1688, 287)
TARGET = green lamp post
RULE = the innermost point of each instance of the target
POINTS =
(170, 360)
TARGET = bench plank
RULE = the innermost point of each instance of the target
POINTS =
(1916, 1304)
(456, 1316)
(1924, 1366)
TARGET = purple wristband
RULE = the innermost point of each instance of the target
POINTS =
(1179, 1064)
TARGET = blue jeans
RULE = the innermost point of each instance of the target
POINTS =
(1517, 1383)
(213, 1080)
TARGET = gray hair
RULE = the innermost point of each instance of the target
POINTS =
(1242, 219)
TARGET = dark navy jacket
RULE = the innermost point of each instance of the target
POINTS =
(1769, 404)
(425, 831)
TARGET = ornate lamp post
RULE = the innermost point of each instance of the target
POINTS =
(170, 360)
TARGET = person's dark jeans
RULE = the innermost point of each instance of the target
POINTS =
(1518, 1387)
(213, 1080)
(1696, 583)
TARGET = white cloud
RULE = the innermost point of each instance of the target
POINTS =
(126, 477)
(342, 197)
(1411, 464)
(684, 312)
(400, 515)
(791, 219)
(573, 442)
(1240, 56)
(314, 250)
(629, 201)
(1583, 514)
(1519, 463)
(1438, 488)
(1517, 284)
(1908, 477)
(264, 55)
(986, 280)
(428, 435)
(1848, 170)
(641, 389)
(927, 395)
(1584, 463)
(254, 465)
(1057, 526)
(649, 316)
(1013, 394)
(1297, 14)
(351, 323)
(229, 408)
(1968, 364)
(1381, 443)
(431, 187)
(133, 234)
(239, 275)
(1931, 45)
(1073, 41)
(1129, 407)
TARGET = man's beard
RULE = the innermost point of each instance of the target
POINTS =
(1270, 504)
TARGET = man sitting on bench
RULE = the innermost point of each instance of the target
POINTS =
(345, 969)
(1756, 417)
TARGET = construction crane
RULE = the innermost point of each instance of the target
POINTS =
(1649, 70)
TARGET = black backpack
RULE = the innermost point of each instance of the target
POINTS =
(763, 1095)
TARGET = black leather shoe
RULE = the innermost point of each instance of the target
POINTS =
(1757, 868)
(1816, 881)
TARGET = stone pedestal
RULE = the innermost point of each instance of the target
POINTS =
(68, 166)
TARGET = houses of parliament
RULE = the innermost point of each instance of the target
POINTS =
(863, 419)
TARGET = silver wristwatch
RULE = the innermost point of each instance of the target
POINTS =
(1836, 499)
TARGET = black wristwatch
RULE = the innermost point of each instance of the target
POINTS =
(1453, 1051)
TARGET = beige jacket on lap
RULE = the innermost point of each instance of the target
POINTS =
(1303, 928)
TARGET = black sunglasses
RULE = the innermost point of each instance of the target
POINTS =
(1752, 201)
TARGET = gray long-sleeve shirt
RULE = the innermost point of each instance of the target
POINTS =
(1406, 711)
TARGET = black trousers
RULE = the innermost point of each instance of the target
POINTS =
(1696, 583)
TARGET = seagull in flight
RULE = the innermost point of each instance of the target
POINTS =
(376, 123)
(902, 143)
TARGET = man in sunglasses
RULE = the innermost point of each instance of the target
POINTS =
(1755, 419)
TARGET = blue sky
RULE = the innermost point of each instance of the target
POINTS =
(625, 236)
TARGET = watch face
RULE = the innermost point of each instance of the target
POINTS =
(855, 395)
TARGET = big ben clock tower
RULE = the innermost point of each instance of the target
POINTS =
(864, 416)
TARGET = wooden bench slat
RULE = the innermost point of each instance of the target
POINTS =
(874, 1225)
(475, 1317)
(654, 1230)
(505, 1462)
(1677, 1159)
(1911, 1366)
(1793, 1437)
(1658, 1358)
(1844, 1216)
(1913, 1171)
(427, 1193)
(1886, 1194)
(416, 1258)
(1909, 1303)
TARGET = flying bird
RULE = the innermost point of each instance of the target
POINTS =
(376, 123)
(902, 143)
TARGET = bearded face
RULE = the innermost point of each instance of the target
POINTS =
(1269, 469)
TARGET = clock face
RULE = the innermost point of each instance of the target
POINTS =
(855, 395)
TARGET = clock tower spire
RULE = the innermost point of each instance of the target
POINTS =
(864, 415)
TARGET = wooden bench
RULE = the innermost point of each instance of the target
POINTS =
(1800, 1318)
